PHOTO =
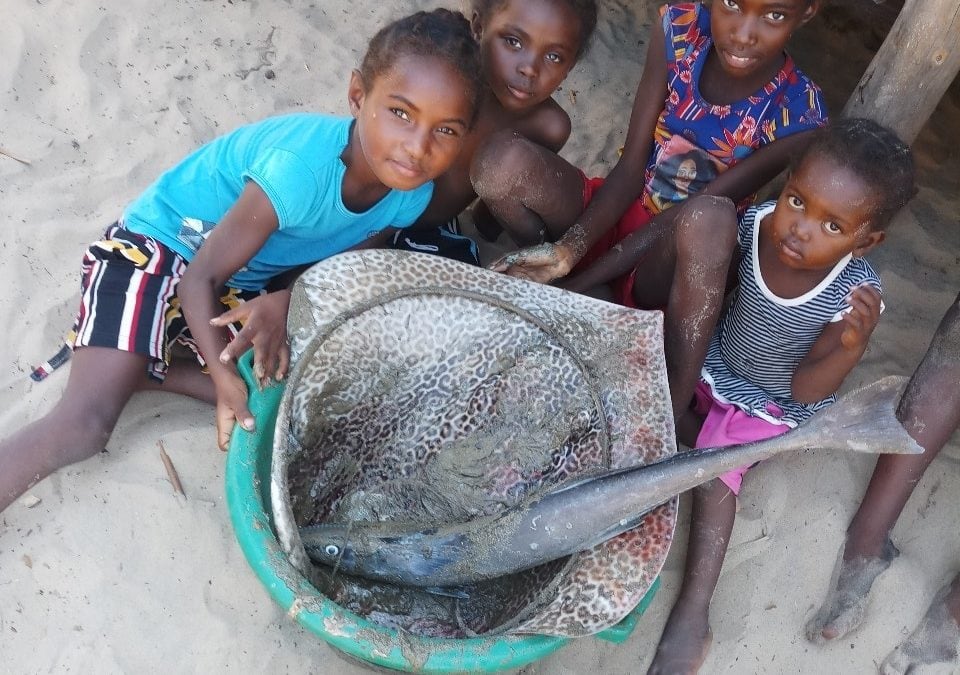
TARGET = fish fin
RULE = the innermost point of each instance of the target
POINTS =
(458, 592)
(619, 528)
(426, 556)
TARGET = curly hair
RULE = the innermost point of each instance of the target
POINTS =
(586, 11)
(873, 152)
(440, 33)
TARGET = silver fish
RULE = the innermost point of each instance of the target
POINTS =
(585, 513)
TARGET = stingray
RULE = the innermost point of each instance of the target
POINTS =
(425, 391)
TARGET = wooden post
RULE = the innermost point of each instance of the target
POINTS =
(913, 68)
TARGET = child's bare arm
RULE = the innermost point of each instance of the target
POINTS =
(548, 126)
(625, 182)
(625, 256)
(751, 173)
(622, 186)
(264, 322)
(231, 244)
(838, 349)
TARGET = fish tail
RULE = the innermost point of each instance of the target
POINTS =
(864, 420)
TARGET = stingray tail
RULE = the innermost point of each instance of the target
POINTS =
(865, 420)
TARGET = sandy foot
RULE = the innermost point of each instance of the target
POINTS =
(846, 602)
(934, 641)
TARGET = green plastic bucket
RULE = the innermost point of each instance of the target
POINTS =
(248, 500)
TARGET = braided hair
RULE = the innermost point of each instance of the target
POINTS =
(442, 34)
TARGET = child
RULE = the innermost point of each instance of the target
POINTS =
(719, 109)
(717, 90)
(527, 47)
(930, 411)
(263, 199)
(804, 310)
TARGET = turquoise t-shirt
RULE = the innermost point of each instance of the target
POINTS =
(295, 159)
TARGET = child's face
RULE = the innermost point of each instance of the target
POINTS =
(411, 120)
(527, 48)
(750, 35)
(823, 213)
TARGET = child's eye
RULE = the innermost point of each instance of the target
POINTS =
(729, 4)
(512, 42)
(447, 131)
(832, 227)
(795, 202)
(776, 16)
(553, 57)
(402, 114)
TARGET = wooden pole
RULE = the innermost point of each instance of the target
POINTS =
(913, 68)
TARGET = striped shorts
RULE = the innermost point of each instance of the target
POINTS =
(129, 299)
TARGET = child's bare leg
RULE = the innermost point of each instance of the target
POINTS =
(185, 377)
(535, 194)
(686, 638)
(936, 638)
(101, 382)
(930, 412)
(686, 271)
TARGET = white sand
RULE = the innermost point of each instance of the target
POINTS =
(112, 573)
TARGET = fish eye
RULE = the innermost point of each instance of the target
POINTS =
(331, 549)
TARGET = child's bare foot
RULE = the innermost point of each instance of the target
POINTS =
(934, 641)
(684, 644)
(846, 602)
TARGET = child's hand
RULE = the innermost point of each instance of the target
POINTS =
(862, 318)
(542, 263)
(232, 408)
(264, 322)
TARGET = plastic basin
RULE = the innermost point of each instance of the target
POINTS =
(248, 501)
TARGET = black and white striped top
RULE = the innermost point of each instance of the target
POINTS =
(762, 338)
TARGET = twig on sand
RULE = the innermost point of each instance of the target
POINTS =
(171, 471)
(7, 153)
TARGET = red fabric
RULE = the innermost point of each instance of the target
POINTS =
(634, 219)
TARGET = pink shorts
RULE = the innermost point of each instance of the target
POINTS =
(726, 424)
(632, 220)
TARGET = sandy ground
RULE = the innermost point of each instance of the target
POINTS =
(111, 572)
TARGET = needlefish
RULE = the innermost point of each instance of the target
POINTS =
(582, 514)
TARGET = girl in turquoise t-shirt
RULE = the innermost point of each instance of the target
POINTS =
(261, 200)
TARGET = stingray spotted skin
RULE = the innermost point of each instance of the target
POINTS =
(407, 364)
